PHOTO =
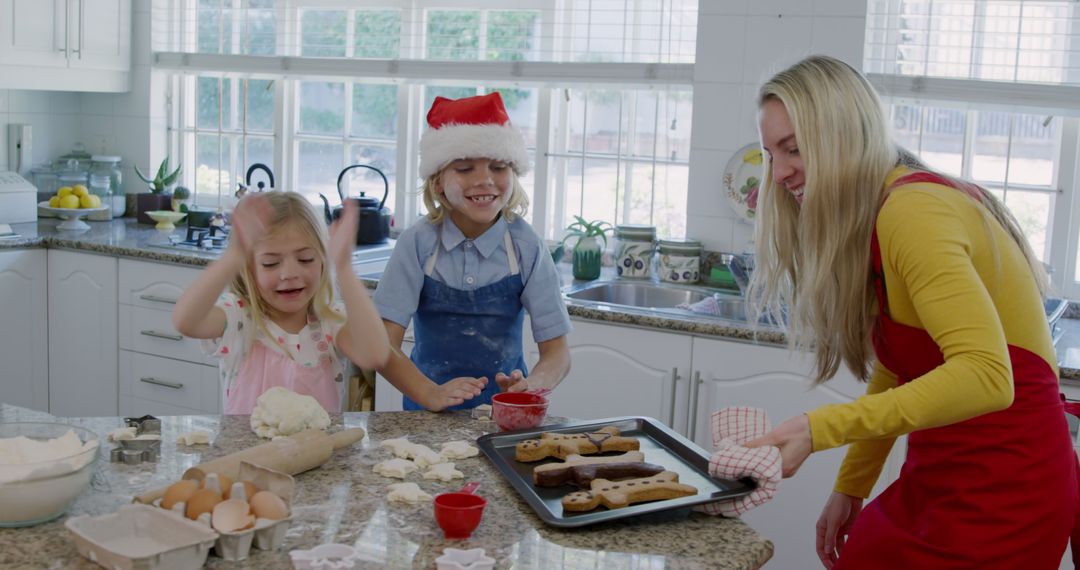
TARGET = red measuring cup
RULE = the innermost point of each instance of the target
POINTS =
(458, 514)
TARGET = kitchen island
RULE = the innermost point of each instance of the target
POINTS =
(344, 501)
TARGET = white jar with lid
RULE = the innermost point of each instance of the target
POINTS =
(679, 260)
(634, 250)
(109, 166)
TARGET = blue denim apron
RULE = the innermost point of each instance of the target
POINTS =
(469, 333)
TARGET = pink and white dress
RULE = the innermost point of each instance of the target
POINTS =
(306, 363)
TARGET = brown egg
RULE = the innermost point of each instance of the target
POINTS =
(223, 481)
(267, 505)
(232, 515)
(249, 490)
(203, 501)
(179, 492)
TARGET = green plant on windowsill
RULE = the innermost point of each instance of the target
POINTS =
(163, 179)
(588, 251)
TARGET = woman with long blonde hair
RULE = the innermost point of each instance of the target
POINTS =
(926, 286)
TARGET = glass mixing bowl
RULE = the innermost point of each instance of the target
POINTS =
(34, 491)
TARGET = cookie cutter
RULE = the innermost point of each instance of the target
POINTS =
(331, 556)
(135, 451)
(145, 424)
(457, 559)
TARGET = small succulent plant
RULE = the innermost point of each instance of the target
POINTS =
(162, 179)
(581, 229)
(181, 193)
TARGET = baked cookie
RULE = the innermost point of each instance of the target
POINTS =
(580, 471)
(618, 494)
(562, 445)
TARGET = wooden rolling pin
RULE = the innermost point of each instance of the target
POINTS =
(293, 455)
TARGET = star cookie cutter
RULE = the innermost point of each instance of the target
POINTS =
(457, 559)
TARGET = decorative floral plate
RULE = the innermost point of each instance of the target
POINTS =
(742, 178)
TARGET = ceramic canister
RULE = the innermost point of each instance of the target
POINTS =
(634, 250)
(680, 260)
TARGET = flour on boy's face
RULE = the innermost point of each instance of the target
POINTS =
(477, 189)
(287, 272)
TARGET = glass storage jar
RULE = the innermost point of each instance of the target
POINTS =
(679, 260)
(109, 166)
(44, 179)
(99, 186)
(634, 250)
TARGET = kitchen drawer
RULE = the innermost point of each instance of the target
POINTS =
(134, 407)
(169, 381)
(151, 331)
(153, 285)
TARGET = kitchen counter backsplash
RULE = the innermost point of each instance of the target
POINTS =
(126, 238)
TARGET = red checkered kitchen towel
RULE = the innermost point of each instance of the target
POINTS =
(732, 427)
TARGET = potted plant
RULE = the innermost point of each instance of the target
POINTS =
(181, 199)
(588, 251)
(158, 198)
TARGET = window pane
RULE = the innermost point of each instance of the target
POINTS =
(595, 122)
(907, 127)
(521, 105)
(260, 31)
(261, 150)
(318, 166)
(374, 111)
(260, 105)
(322, 107)
(676, 116)
(513, 36)
(209, 102)
(1034, 151)
(367, 181)
(215, 27)
(942, 141)
(453, 34)
(378, 33)
(990, 149)
(670, 198)
(322, 33)
(591, 193)
(212, 166)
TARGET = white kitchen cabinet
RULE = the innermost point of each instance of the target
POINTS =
(24, 342)
(65, 45)
(621, 371)
(161, 372)
(82, 334)
(387, 397)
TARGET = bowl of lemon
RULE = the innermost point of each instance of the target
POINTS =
(71, 203)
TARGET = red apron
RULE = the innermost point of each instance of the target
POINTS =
(998, 491)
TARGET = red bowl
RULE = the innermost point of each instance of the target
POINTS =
(458, 514)
(518, 410)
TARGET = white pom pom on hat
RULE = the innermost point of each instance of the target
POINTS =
(472, 127)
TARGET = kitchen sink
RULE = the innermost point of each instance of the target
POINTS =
(645, 296)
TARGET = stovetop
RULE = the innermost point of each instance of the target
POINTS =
(212, 239)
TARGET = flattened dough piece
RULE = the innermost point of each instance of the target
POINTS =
(396, 467)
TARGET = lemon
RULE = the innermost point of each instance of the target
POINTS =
(64, 191)
(97, 201)
(79, 190)
(86, 201)
(54, 202)
(70, 201)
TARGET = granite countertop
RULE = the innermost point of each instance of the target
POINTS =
(343, 501)
(126, 238)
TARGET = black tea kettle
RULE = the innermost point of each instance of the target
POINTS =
(374, 224)
(245, 186)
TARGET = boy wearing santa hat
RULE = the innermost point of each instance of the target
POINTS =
(467, 273)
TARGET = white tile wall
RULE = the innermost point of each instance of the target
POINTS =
(740, 44)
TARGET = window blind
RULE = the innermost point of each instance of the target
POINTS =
(520, 32)
(1017, 54)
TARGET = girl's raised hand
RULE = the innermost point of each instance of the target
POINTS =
(250, 222)
(343, 235)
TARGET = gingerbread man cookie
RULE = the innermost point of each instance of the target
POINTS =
(562, 445)
(618, 494)
(580, 471)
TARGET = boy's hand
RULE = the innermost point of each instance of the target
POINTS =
(514, 382)
(343, 236)
(455, 392)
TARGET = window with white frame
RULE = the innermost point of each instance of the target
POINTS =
(351, 82)
(988, 91)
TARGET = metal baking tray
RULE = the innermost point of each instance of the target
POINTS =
(660, 445)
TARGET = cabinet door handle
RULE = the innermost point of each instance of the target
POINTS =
(156, 382)
(695, 389)
(82, 26)
(674, 381)
(157, 334)
(66, 29)
(158, 299)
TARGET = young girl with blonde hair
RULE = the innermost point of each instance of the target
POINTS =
(926, 285)
(468, 272)
(279, 324)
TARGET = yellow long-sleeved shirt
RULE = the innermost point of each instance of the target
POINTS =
(942, 275)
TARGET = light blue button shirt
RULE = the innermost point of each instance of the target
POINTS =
(469, 264)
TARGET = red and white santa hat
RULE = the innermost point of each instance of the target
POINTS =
(473, 127)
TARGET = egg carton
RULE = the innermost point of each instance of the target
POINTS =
(141, 537)
(267, 534)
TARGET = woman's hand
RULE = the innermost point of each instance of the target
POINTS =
(514, 382)
(250, 223)
(455, 392)
(834, 524)
(343, 236)
(793, 438)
